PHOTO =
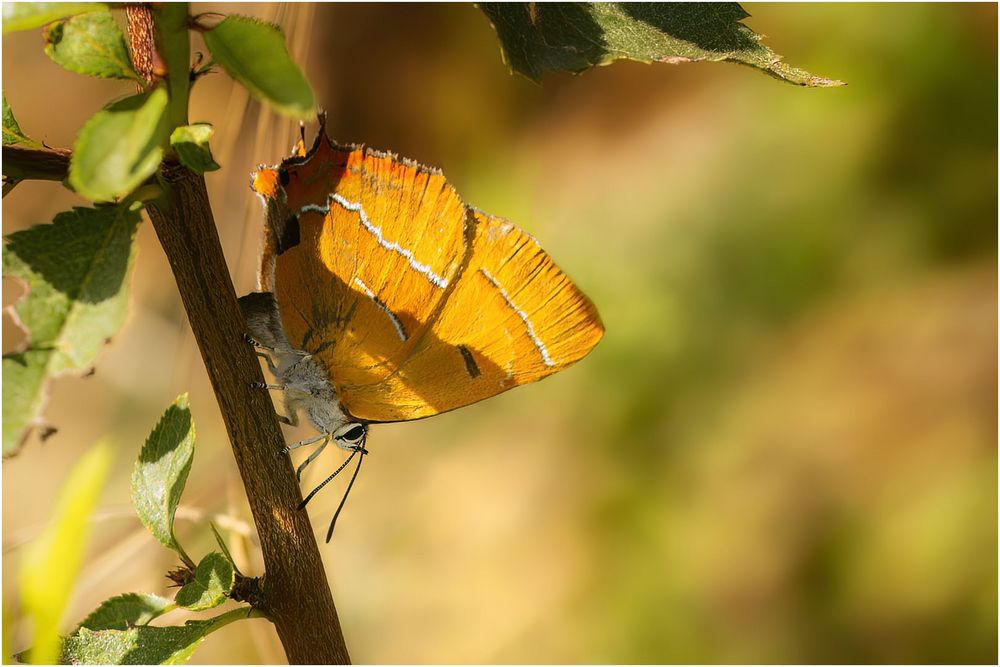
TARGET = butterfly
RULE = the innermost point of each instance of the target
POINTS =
(384, 298)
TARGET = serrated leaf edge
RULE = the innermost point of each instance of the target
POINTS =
(227, 587)
(182, 403)
(168, 606)
(41, 402)
(127, 67)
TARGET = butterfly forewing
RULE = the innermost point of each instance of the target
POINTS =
(358, 287)
(414, 303)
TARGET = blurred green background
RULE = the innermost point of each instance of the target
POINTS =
(784, 450)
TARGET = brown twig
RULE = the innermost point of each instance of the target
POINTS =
(294, 592)
(39, 164)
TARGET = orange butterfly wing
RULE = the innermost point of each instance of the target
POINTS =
(414, 303)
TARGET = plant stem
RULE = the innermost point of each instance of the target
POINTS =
(20, 164)
(294, 590)
(171, 21)
(295, 595)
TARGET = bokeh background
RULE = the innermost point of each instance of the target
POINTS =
(784, 450)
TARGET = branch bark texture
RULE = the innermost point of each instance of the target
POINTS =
(295, 593)
(21, 163)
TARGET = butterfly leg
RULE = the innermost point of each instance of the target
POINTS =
(253, 342)
(264, 352)
(270, 365)
(293, 415)
(312, 457)
(270, 362)
(291, 421)
(256, 344)
(267, 385)
(307, 441)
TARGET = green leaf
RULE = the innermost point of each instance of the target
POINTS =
(548, 37)
(161, 471)
(120, 146)
(90, 44)
(125, 611)
(213, 580)
(51, 564)
(28, 15)
(144, 645)
(76, 271)
(254, 54)
(12, 133)
(191, 144)
(222, 545)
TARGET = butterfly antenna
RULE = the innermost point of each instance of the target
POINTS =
(328, 480)
(350, 485)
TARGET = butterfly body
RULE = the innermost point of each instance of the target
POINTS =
(306, 386)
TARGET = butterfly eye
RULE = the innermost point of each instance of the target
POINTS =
(353, 434)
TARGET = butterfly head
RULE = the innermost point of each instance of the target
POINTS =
(351, 436)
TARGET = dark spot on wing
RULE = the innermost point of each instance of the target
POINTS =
(289, 234)
(283, 176)
(470, 363)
